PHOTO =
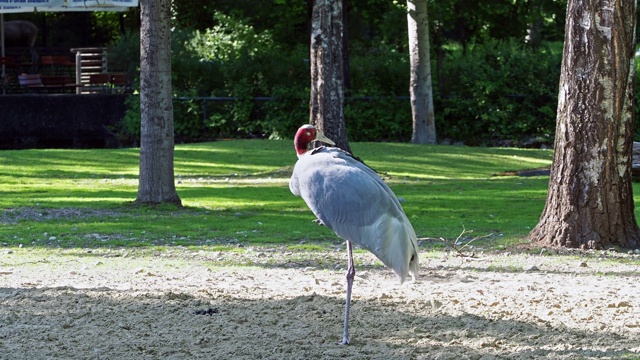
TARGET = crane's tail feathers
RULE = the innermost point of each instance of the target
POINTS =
(409, 267)
(414, 264)
(399, 250)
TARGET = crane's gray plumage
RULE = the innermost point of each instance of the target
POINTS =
(352, 200)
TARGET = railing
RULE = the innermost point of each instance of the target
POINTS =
(89, 61)
(206, 99)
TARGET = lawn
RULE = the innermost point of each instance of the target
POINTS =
(237, 192)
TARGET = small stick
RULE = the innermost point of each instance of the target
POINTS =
(454, 244)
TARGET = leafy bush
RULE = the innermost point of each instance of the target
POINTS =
(283, 116)
(124, 54)
(247, 65)
(497, 91)
(378, 108)
(378, 119)
(636, 133)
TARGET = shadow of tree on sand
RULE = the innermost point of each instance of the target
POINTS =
(103, 323)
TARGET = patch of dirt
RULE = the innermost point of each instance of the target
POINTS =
(185, 305)
(545, 171)
(12, 216)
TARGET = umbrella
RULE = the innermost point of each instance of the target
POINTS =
(22, 6)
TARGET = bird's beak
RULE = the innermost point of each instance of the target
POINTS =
(320, 137)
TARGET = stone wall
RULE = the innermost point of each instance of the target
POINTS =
(60, 120)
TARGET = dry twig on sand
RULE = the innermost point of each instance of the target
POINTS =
(454, 244)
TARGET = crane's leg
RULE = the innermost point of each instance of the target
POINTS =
(351, 273)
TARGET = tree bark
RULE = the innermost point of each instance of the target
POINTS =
(327, 83)
(421, 91)
(156, 182)
(590, 199)
(346, 66)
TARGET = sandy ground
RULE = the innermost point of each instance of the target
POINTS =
(119, 304)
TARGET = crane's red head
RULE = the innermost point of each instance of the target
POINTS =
(307, 134)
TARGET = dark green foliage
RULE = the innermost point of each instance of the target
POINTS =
(493, 91)
(500, 90)
(284, 116)
(378, 107)
(636, 118)
(124, 54)
(496, 90)
(378, 119)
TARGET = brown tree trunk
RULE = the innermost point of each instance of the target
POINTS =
(156, 183)
(327, 83)
(421, 91)
(590, 199)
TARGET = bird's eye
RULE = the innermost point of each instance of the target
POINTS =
(308, 133)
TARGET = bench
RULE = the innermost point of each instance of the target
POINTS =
(38, 83)
(108, 83)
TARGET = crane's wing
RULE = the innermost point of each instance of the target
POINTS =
(352, 200)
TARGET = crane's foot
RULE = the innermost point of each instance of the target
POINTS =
(345, 340)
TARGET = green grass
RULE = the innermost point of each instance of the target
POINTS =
(237, 192)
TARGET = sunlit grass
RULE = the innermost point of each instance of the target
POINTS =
(236, 192)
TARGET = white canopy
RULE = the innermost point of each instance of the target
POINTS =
(21, 6)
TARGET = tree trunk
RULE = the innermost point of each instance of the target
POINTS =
(346, 66)
(327, 91)
(156, 183)
(590, 199)
(421, 92)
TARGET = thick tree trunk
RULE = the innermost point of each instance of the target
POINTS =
(327, 83)
(424, 129)
(156, 183)
(590, 199)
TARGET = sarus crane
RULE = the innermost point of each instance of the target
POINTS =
(352, 200)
